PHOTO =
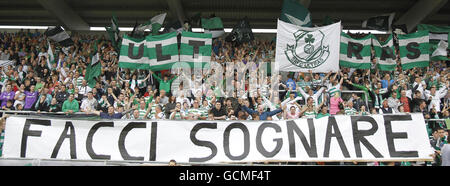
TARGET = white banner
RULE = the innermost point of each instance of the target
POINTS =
(339, 138)
(300, 49)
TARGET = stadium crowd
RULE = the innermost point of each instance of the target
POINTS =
(29, 84)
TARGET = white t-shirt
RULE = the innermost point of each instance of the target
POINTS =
(21, 94)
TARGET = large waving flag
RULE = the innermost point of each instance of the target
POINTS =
(94, 68)
(113, 33)
(50, 57)
(414, 49)
(436, 32)
(293, 12)
(300, 49)
(440, 52)
(439, 37)
(154, 24)
(213, 26)
(241, 33)
(58, 34)
(355, 53)
(381, 22)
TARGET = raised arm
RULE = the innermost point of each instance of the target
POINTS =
(271, 113)
(155, 76)
(300, 89)
(319, 92)
(249, 111)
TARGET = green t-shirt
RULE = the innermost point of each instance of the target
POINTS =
(39, 86)
(164, 85)
(68, 105)
(320, 115)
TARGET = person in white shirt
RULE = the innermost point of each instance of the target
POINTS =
(311, 94)
(84, 88)
(435, 97)
(89, 103)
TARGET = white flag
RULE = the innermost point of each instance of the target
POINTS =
(300, 49)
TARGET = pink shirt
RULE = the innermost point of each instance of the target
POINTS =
(334, 105)
(292, 116)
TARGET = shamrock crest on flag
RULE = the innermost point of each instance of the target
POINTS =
(308, 50)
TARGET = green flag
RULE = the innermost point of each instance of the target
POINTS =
(153, 24)
(295, 13)
(156, 53)
(94, 69)
(440, 52)
(195, 48)
(414, 49)
(213, 26)
(113, 33)
(385, 53)
(355, 53)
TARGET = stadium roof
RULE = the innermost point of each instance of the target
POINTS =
(83, 14)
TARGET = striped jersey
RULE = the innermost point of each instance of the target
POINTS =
(142, 113)
(349, 111)
(309, 114)
(195, 111)
(334, 89)
(177, 115)
(79, 81)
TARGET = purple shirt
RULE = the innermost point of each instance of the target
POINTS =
(30, 99)
(5, 96)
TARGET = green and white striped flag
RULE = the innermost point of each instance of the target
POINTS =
(162, 51)
(437, 33)
(355, 53)
(414, 49)
(195, 48)
(133, 53)
(385, 54)
(156, 53)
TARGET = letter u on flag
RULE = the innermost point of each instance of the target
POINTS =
(385, 54)
(195, 48)
(300, 49)
(414, 49)
(133, 53)
(154, 52)
(355, 53)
